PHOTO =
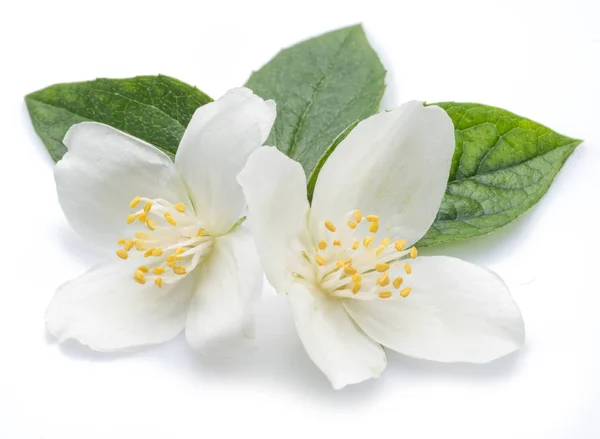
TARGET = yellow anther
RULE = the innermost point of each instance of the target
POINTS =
(122, 254)
(407, 268)
(158, 270)
(397, 282)
(157, 252)
(151, 224)
(337, 242)
(349, 270)
(121, 241)
(382, 267)
(139, 245)
(322, 245)
(374, 227)
(320, 260)
(385, 242)
(355, 245)
(200, 232)
(128, 245)
(414, 252)
(385, 294)
(405, 292)
(340, 264)
(368, 241)
(399, 245)
(131, 218)
(357, 215)
(179, 269)
(372, 218)
(379, 250)
(356, 287)
(352, 224)
(141, 235)
(356, 277)
(171, 258)
(169, 219)
(143, 269)
(179, 207)
(148, 206)
(348, 261)
(330, 226)
(148, 253)
(179, 251)
(142, 217)
(139, 277)
(134, 202)
(158, 282)
(383, 280)
(171, 263)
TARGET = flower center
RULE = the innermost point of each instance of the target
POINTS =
(350, 263)
(173, 245)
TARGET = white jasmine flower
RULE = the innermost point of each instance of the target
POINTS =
(182, 261)
(347, 262)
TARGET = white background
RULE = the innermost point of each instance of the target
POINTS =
(538, 59)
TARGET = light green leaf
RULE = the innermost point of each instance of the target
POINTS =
(503, 164)
(156, 109)
(321, 86)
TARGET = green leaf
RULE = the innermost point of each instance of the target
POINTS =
(321, 86)
(502, 165)
(156, 109)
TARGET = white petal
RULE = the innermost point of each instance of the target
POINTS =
(456, 312)
(337, 346)
(214, 149)
(221, 317)
(107, 310)
(275, 187)
(100, 174)
(394, 165)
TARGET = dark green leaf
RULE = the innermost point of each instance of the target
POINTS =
(503, 164)
(321, 86)
(156, 109)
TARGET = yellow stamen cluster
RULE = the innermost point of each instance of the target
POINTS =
(363, 268)
(167, 259)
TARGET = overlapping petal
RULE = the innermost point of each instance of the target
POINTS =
(214, 149)
(107, 310)
(275, 187)
(456, 312)
(102, 171)
(221, 315)
(337, 346)
(395, 165)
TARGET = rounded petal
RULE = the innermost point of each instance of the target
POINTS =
(214, 149)
(456, 312)
(102, 171)
(221, 316)
(107, 310)
(394, 165)
(275, 188)
(336, 345)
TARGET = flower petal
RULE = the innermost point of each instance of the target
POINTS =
(332, 340)
(221, 316)
(102, 171)
(275, 187)
(107, 310)
(395, 165)
(456, 312)
(214, 149)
